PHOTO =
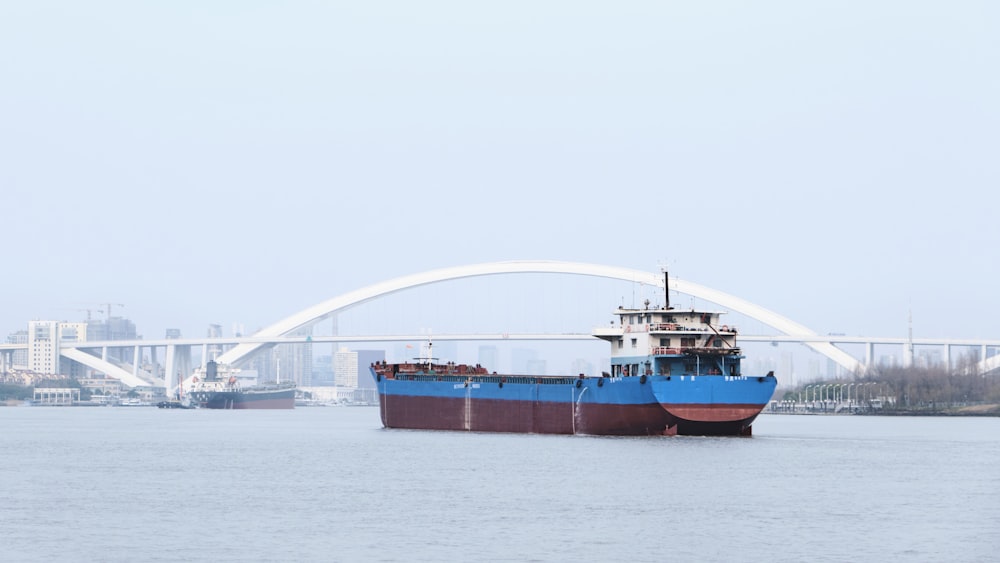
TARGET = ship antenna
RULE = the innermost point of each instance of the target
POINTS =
(430, 350)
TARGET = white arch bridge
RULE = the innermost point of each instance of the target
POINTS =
(283, 330)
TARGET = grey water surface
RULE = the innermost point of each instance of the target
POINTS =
(329, 484)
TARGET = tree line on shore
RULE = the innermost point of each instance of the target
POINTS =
(923, 387)
(19, 392)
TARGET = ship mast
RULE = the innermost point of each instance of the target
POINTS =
(666, 289)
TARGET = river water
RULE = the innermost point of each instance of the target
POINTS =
(329, 484)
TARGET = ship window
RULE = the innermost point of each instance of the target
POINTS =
(665, 342)
(635, 343)
(621, 343)
(687, 342)
(717, 344)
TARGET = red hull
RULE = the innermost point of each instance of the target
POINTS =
(265, 404)
(237, 400)
(485, 415)
(713, 413)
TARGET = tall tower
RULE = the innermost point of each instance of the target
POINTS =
(303, 358)
(43, 346)
(345, 368)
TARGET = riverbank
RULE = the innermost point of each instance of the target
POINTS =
(971, 410)
(982, 409)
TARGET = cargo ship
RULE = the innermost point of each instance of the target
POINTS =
(673, 372)
(219, 388)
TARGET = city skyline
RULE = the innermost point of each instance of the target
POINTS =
(553, 358)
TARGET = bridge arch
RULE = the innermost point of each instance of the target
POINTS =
(317, 312)
(102, 366)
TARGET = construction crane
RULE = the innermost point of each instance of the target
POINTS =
(109, 305)
(88, 311)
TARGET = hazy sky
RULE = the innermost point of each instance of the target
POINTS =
(836, 162)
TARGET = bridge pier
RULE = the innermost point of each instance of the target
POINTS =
(169, 377)
(177, 365)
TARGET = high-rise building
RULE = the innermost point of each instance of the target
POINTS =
(263, 362)
(295, 361)
(73, 332)
(43, 346)
(352, 378)
(322, 371)
(114, 328)
(350, 370)
(304, 364)
(43, 342)
(345, 368)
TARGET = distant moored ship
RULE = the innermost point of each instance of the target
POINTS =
(215, 389)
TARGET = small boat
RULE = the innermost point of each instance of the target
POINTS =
(174, 405)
